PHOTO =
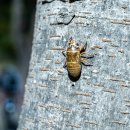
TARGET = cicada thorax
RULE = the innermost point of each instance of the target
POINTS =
(73, 60)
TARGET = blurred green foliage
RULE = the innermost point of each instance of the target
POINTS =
(7, 49)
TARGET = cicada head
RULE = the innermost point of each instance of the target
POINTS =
(72, 43)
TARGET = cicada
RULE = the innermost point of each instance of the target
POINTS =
(75, 57)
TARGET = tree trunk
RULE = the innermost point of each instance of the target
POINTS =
(100, 99)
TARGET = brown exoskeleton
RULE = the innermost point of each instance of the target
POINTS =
(75, 58)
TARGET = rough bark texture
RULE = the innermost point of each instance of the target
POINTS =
(100, 99)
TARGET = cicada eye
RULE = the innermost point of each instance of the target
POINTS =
(77, 44)
(69, 43)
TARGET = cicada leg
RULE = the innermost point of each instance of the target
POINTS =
(87, 56)
(83, 48)
(64, 53)
(85, 62)
(65, 65)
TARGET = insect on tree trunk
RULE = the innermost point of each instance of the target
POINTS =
(100, 99)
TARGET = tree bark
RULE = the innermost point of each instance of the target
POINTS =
(100, 99)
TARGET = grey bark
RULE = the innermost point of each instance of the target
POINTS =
(100, 99)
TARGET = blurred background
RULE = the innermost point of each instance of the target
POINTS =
(16, 33)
